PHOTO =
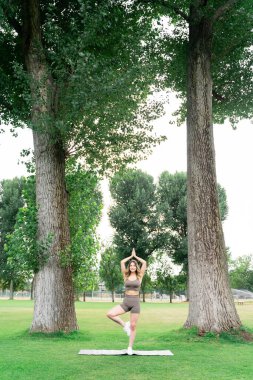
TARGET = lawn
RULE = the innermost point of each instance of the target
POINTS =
(36, 357)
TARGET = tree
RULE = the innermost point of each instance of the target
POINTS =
(167, 281)
(163, 273)
(76, 73)
(241, 273)
(86, 280)
(10, 202)
(109, 270)
(84, 207)
(135, 216)
(203, 61)
(172, 200)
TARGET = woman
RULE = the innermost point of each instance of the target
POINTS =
(132, 277)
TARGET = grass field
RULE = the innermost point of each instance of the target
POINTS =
(36, 357)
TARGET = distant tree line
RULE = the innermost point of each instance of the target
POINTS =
(153, 219)
(21, 255)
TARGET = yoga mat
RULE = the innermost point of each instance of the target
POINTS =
(124, 352)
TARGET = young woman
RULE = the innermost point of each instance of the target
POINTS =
(132, 277)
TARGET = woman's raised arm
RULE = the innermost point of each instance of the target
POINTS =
(143, 262)
(122, 264)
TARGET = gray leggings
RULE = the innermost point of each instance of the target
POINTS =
(131, 303)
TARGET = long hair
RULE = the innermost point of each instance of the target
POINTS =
(138, 271)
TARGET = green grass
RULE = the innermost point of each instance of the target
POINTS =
(36, 357)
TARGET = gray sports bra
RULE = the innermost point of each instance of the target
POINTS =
(132, 285)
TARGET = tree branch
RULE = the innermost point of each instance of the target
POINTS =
(223, 9)
(14, 23)
(218, 97)
(180, 13)
(177, 10)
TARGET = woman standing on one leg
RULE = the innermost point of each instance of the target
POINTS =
(132, 277)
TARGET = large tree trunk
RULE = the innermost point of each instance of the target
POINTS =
(211, 305)
(54, 296)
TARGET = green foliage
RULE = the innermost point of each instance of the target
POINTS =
(135, 216)
(147, 285)
(10, 202)
(172, 195)
(172, 200)
(109, 269)
(101, 74)
(26, 255)
(153, 217)
(85, 207)
(165, 278)
(232, 56)
(241, 273)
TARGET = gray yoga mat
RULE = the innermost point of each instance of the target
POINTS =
(124, 352)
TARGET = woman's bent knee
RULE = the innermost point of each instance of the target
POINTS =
(133, 326)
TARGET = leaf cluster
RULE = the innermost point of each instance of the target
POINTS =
(109, 268)
(241, 273)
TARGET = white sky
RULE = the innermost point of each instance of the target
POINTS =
(234, 158)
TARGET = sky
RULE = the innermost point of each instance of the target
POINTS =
(234, 159)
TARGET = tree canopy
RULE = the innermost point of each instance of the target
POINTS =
(25, 255)
(232, 57)
(172, 201)
(135, 215)
(109, 269)
(101, 76)
(241, 273)
(10, 202)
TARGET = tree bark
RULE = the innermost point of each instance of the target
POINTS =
(32, 289)
(187, 287)
(84, 296)
(113, 296)
(76, 295)
(211, 306)
(54, 295)
(11, 290)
